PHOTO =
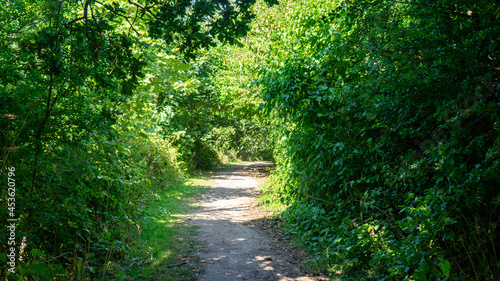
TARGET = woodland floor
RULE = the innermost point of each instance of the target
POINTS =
(237, 239)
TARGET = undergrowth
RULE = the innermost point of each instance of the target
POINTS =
(77, 205)
(161, 248)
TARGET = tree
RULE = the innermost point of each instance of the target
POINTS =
(70, 72)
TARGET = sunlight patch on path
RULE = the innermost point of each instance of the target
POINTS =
(231, 250)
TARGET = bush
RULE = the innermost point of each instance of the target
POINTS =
(390, 142)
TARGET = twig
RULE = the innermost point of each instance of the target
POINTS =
(59, 256)
(21, 27)
(176, 264)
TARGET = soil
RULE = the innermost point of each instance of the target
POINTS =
(239, 241)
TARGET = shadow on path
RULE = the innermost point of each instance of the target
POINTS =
(230, 248)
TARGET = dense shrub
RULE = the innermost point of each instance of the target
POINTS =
(390, 145)
(74, 216)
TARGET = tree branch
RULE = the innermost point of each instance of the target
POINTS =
(21, 27)
(73, 21)
(141, 6)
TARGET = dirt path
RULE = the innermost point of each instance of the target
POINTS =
(232, 247)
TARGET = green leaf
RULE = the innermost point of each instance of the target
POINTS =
(445, 267)
(37, 268)
(22, 271)
(38, 253)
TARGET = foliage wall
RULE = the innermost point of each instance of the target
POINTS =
(388, 147)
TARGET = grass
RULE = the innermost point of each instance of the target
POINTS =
(270, 199)
(269, 202)
(160, 247)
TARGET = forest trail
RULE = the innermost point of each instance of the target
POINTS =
(233, 243)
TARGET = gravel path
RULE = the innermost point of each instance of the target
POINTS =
(233, 243)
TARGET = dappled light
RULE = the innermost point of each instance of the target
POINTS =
(231, 245)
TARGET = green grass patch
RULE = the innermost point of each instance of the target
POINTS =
(272, 199)
(160, 245)
(271, 202)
